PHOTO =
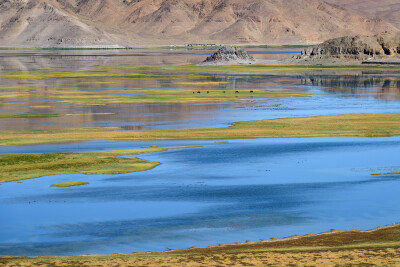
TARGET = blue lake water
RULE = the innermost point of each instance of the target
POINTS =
(218, 193)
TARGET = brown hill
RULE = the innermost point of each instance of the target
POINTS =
(149, 22)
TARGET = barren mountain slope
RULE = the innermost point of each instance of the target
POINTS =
(227, 21)
(150, 22)
(39, 23)
(388, 10)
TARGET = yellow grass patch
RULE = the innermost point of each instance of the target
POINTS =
(360, 125)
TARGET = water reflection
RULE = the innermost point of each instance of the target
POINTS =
(31, 60)
(383, 87)
(346, 94)
(41, 95)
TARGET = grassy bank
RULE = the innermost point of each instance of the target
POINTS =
(195, 91)
(361, 125)
(15, 167)
(379, 247)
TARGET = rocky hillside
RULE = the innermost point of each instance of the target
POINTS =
(356, 48)
(39, 23)
(388, 10)
(149, 22)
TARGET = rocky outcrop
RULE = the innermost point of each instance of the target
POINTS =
(229, 55)
(357, 48)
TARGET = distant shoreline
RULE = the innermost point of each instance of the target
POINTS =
(117, 47)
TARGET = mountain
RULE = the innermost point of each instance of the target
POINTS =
(161, 22)
(39, 23)
(388, 10)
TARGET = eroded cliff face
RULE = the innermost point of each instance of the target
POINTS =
(356, 48)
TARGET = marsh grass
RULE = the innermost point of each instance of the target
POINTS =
(358, 125)
(113, 96)
(29, 115)
(15, 167)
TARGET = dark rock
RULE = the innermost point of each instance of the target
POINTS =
(229, 55)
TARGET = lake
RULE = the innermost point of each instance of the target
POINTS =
(222, 191)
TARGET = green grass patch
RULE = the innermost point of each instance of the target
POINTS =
(69, 184)
(201, 83)
(29, 115)
(15, 167)
(42, 107)
(113, 96)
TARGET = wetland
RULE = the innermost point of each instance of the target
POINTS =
(141, 150)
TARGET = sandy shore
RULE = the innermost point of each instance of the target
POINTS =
(376, 247)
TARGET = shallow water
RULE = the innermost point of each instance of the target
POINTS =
(31, 60)
(353, 94)
(348, 92)
(221, 192)
(218, 193)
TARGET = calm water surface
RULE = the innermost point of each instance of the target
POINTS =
(217, 193)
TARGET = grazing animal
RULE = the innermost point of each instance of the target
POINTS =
(251, 91)
(208, 92)
(237, 92)
(198, 92)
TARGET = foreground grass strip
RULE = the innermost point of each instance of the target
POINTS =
(359, 125)
(69, 184)
(15, 167)
(378, 247)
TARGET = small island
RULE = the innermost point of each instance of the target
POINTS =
(69, 184)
